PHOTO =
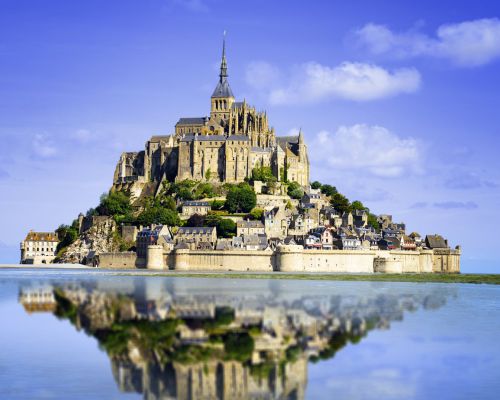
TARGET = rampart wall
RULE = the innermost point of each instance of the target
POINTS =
(290, 258)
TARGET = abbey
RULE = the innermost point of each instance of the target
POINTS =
(223, 147)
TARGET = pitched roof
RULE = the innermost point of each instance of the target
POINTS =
(250, 224)
(196, 203)
(42, 236)
(435, 242)
(191, 121)
(187, 230)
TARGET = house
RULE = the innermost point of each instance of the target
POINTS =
(436, 242)
(360, 218)
(407, 243)
(249, 228)
(389, 233)
(150, 236)
(386, 244)
(195, 207)
(347, 220)
(326, 236)
(39, 247)
(384, 220)
(197, 237)
(254, 242)
(347, 242)
(312, 242)
(275, 222)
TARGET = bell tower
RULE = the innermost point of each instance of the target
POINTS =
(222, 97)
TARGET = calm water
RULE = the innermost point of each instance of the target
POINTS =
(78, 335)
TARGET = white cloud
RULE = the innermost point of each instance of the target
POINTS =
(312, 82)
(468, 43)
(261, 74)
(83, 136)
(43, 146)
(370, 149)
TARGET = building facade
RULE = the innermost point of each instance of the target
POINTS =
(222, 147)
(39, 248)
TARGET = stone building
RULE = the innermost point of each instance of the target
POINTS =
(196, 237)
(249, 228)
(39, 247)
(195, 207)
(222, 147)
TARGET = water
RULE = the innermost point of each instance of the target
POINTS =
(81, 335)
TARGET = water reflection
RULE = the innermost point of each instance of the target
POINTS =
(173, 339)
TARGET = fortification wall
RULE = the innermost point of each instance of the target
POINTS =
(124, 260)
(213, 260)
(293, 258)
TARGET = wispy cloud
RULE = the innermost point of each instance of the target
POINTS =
(446, 205)
(469, 205)
(469, 43)
(465, 180)
(371, 149)
(312, 82)
(43, 146)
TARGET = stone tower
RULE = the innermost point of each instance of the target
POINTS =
(222, 97)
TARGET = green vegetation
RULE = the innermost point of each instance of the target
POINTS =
(238, 346)
(294, 190)
(116, 205)
(493, 279)
(67, 235)
(256, 213)
(264, 174)
(241, 198)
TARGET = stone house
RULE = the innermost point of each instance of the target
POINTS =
(195, 237)
(275, 222)
(150, 236)
(347, 220)
(436, 242)
(39, 247)
(249, 228)
(190, 208)
(360, 218)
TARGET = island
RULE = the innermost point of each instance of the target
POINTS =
(224, 192)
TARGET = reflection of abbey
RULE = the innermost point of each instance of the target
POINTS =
(166, 338)
(222, 147)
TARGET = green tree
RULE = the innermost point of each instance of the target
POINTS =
(357, 205)
(239, 346)
(208, 174)
(295, 191)
(316, 185)
(329, 190)
(159, 215)
(116, 205)
(340, 202)
(226, 228)
(256, 213)
(241, 198)
(264, 174)
(373, 222)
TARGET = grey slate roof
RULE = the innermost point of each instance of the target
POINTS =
(214, 138)
(223, 89)
(196, 203)
(290, 142)
(191, 121)
(435, 242)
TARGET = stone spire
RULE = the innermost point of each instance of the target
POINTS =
(223, 89)
(223, 63)
(301, 136)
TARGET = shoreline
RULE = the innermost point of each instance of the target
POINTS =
(493, 279)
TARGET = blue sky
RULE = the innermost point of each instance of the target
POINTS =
(398, 102)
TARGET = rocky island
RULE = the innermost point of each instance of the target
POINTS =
(225, 193)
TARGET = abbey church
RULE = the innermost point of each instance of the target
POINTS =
(223, 147)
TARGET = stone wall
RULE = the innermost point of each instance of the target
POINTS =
(290, 258)
(123, 260)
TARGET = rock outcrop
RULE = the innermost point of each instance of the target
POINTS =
(98, 238)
